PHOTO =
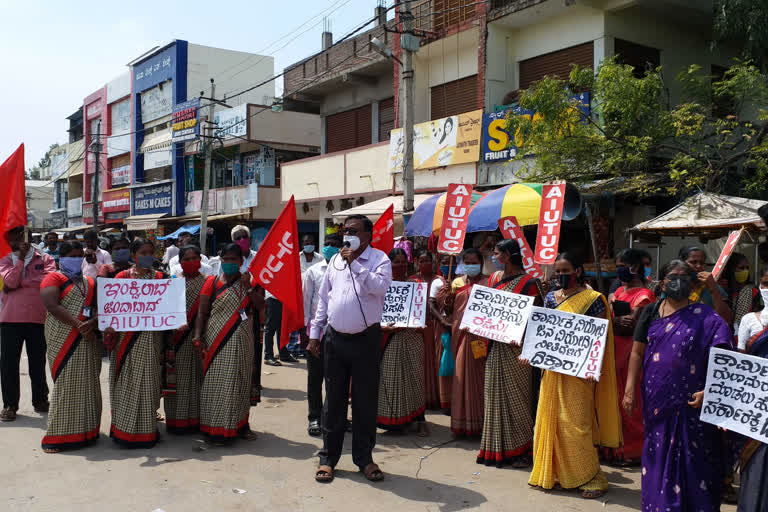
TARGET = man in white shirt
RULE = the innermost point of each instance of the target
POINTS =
(95, 256)
(311, 280)
(173, 261)
(308, 255)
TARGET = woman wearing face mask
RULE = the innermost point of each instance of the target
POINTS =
(401, 371)
(705, 289)
(441, 306)
(743, 297)
(571, 408)
(753, 462)
(681, 463)
(508, 419)
(469, 352)
(433, 331)
(134, 371)
(74, 354)
(627, 304)
(121, 259)
(182, 408)
(223, 337)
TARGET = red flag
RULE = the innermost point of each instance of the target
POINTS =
(277, 269)
(13, 197)
(384, 231)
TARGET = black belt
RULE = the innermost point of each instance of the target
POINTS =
(355, 335)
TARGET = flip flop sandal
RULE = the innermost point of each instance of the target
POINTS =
(591, 495)
(373, 473)
(314, 429)
(324, 475)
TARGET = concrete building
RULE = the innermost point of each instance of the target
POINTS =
(39, 200)
(57, 172)
(75, 169)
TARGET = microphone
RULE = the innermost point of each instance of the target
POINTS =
(347, 244)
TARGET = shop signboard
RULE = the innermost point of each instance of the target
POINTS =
(186, 121)
(116, 200)
(154, 198)
(75, 207)
(156, 102)
(121, 175)
(231, 123)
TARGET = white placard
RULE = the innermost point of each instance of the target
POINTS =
(405, 305)
(566, 343)
(496, 314)
(142, 304)
(736, 393)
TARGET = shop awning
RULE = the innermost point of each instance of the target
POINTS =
(377, 207)
(192, 216)
(110, 230)
(71, 230)
(156, 142)
(705, 215)
(142, 222)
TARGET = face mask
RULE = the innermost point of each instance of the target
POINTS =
(566, 281)
(399, 271)
(329, 251)
(245, 245)
(190, 267)
(146, 261)
(230, 269)
(764, 294)
(445, 270)
(426, 269)
(71, 266)
(678, 287)
(309, 248)
(121, 255)
(353, 241)
(624, 274)
(647, 272)
(499, 265)
(473, 270)
(741, 276)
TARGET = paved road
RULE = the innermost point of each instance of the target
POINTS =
(275, 471)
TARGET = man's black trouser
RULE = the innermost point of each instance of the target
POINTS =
(274, 318)
(12, 338)
(355, 357)
(315, 376)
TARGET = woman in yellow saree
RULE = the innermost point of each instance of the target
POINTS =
(576, 415)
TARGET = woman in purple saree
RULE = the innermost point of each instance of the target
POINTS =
(682, 459)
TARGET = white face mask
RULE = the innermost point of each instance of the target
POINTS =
(353, 241)
(764, 293)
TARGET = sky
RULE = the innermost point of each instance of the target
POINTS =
(54, 53)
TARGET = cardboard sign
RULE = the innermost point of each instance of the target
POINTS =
(453, 229)
(550, 216)
(496, 314)
(725, 254)
(405, 305)
(510, 229)
(736, 393)
(566, 343)
(142, 304)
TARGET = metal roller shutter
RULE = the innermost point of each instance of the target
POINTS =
(386, 118)
(455, 97)
(556, 63)
(347, 130)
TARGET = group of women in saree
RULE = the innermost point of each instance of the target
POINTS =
(211, 356)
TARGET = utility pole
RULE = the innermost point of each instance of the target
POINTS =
(207, 175)
(409, 43)
(96, 149)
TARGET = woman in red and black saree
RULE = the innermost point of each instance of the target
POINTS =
(182, 407)
(134, 370)
(224, 337)
(509, 413)
(469, 352)
(74, 354)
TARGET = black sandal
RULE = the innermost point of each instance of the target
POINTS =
(314, 429)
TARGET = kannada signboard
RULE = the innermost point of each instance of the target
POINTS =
(186, 125)
(447, 141)
(405, 305)
(736, 393)
(142, 304)
(566, 343)
(497, 314)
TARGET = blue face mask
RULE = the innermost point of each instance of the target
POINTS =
(71, 266)
(145, 261)
(445, 270)
(473, 270)
(309, 248)
(499, 265)
(121, 255)
(329, 251)
(230, 269)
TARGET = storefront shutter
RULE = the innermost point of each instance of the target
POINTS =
(386, 118)
(455, 97)
(556, 63)
(349, 129)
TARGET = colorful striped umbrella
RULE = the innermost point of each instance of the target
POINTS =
(428, 217)
(522, 200)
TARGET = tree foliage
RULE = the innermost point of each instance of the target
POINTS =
(45, 161)
(715, 139)
(745, 23)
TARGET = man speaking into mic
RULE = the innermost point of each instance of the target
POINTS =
(351, 301)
